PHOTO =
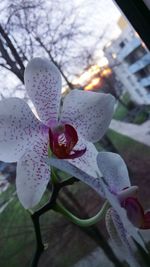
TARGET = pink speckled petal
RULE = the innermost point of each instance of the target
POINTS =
(43, 84)
(18, 128)
(112, 229)
(124, 238)
(115, 203)
(116, 178)
(33, 174)
(113, 233)
(89, 112)
(84, 168)
(67, 167)
(114, 170)
(88, 161)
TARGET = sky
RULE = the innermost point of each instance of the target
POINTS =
(99, 14)
(102, 16)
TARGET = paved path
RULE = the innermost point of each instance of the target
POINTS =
(97, 258)
(140, 133)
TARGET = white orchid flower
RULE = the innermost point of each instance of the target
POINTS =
(69, 131)
(126, 214)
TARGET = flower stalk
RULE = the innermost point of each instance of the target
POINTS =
(40, 247)
(58, 207)
(36, 223)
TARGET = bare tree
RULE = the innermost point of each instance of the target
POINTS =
(42, 28)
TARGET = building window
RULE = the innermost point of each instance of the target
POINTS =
(143, 73)
(139, 93)
(138, 53)
(147, 89)
(122, 44)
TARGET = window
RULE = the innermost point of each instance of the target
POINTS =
(122, 44)
(143, 73)
(135, 55)
(147, 89)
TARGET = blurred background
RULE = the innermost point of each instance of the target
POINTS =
(95, 48)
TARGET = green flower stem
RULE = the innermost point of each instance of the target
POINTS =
(53, 175)
(40, 245)
(35, 216)
(82, 222)
(54, 178)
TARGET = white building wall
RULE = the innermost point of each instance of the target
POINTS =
(116, 53)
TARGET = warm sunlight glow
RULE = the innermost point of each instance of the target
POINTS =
(86, 76)
(95, 81)
(88, 87)
(106, 72)
(92, 84)
(91, 78)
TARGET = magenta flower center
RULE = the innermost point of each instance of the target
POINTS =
(62, 140)
(136, 213)
(134, 210)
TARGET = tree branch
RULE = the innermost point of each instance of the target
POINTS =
(12, 48)
(10, 62)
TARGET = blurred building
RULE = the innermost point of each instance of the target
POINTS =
(130, 61)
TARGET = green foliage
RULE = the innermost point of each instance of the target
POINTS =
(124, 143)
(141, 117)
(16, 235)
(126, 98)
(121, 111)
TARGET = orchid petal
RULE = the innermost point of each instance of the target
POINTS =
(43, 84)
(123, 235)
(89, 112)
(127, 192)
(113, 233)
(114, 201)
(66, 166)
(84, 168)
(19, 128)
(87, 162)
(33, 174)
(114, 170)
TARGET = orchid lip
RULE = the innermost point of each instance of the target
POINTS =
(134, 210)
(127, 192)
(136, 213)
(63, 139)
